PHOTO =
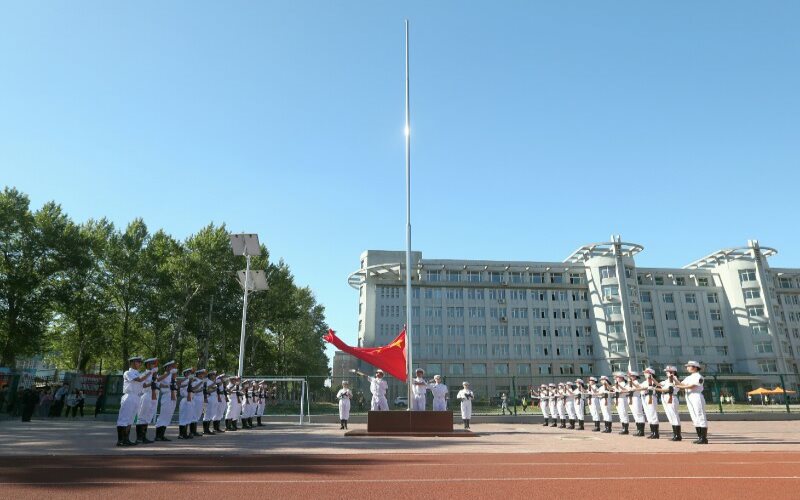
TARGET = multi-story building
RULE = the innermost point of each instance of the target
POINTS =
(594, 313)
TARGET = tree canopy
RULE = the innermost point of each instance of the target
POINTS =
(88, 293)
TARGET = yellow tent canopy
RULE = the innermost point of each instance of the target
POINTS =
(778, 390)
(759, 392)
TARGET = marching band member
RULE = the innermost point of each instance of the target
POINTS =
(148, 402)
(594, 402)
(670, 401)
(344, 396)
(420, 389)
(606, 392)
(212, 400)
(569, 403)
(466, 396)
(132, 381)
(579, 396)
(635, 402)
(169, 396)
(186, 407)
(693, 386)
(439, 391)
(650, 401)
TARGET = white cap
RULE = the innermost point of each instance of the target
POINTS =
(633, 373)
(378, 371)
(695, 364)
(650, 371)
(465, 383)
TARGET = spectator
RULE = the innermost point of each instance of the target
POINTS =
(72, 403)
(524, 404)
(3, 395)
(59, 399)
(27, 403)
(100, 403)
(45, 402)
(81, 401)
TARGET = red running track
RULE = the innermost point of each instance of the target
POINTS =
(596, 476)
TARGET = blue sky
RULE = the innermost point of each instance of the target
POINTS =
(537, 126)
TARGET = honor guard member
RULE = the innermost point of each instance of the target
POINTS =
(420, 389)
(378, 387)
(168, 387)
(245, 403)
(132, 381)
(635, 402)
(212, 400)
(148, 402)
(594, 403)
(439, 391)
(569, 403)
(693, 386)
(670, 401)
(560, 406)
(234, 404)
(186, 406)
(198, 400)
(579, 400)
(222, 397)
(262, 402)
(606, 395)
(621, 400)
(543, 405)
(551, 404)
(465, 395)
(650, 401)
(344, 396)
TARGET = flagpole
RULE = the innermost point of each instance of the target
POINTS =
(409, 343)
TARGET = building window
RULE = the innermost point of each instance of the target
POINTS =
(477, 312)
(520, 331)
(499, 331)
(716, 315)
(668, 298)
(610, 291)
(702, 281)
(768, 366)
(455, 312)
(674, 333)
(752, 293)
(691, 298)
(608, 272)
(455, 351)
(479, 368)
(671, 315)
(524, 369)
(575, 279)
(556, 278)
(617, 347)
(474, 276)
(650, 331)
(432, 275)
(475, 293)
(477, 351)
(697, 333)
(567, 370)
(658, 280)
(545, 370)
(746, 275)
(501, 369)
(456, 369)
(519, 312)
(755, 311)
(522, 351)
(675, 351)
(455, 330)
(618, 366)
(693, 315)
(722, 350)
(615, 327)
(712, 298)
(680, 281)
(477, 331)
(725, 368)
(610, 309)
(719, 332)
(454, 276)
(758, 329)
(454, 293)
(763, 347)
(495, 276)
(645, 297)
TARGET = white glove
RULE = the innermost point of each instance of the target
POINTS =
(173, 371)
(154, 369)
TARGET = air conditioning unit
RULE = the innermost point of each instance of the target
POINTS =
(503, 319)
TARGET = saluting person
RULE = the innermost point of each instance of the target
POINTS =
(234, 404)
(693, 386)
(579, 399)
(198, 399)
(595, 398)
(212, 400)
(670, 401)
(606, 392)
(132, 381)
(344, 396)
(168, 388)
(148, 402)
(650, 401)
(185, 407)
(569, 403)
(439, 391)
(465, 395)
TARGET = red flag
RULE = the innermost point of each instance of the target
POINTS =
(390, 358)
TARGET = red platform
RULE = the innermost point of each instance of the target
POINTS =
(409, 423)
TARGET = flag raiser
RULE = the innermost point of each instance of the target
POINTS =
(390, 358)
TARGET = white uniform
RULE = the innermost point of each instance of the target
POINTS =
(670, 408)
(605, 403)
(186, 407)
(577, 403)
(636, 407)
(147, 405)
(594, 404)
(569, 403)
(465, 396)
(222, 403)
(260, 401)
(378, 388)
(560, 407)
(344, 396)
(211, 404)
(695, 399)
(622, 403)
(197, 400)
(132, 392)
(234, 407)
(439, 392)
(650, 402)
(419, 389)
(167, 409)
(543, 403)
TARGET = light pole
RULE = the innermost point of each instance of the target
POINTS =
(251, 281)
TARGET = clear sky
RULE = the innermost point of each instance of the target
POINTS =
(537, 126)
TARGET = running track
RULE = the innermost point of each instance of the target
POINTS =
(595, 476)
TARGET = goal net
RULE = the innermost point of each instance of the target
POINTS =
(286, 397)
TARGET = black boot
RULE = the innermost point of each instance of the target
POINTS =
(639, 429)
(546, 422)
(138, 433)
(624, 429)
(345, 424)
(580, 425)
(596, 426)
(144, 435)
(182, 432)
(652, 432)
(572, 423)
(606, 428)
(228, 426)
(234, 425)
(258, 420)
(120, 434)
(676, 430)
(341, 424)
(563, 423)
(553, 422)
(193, 430)
(164, 434)
(702, 439)
(656, 435)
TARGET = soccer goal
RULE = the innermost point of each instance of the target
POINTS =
(286, 397)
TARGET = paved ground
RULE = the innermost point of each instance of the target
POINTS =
(78, 460)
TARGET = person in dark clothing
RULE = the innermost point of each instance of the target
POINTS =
(100, 403)
(28, 401)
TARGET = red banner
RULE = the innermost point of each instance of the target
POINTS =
(390, 358)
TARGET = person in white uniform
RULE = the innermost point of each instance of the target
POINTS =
(222, 397)
(168, 388)
(551, 404)
(420, 389)
(148, 403)
(635, 402)
(650, 401)
(234, 404)
(261, 398)
(465, 395)
(543, 405)
(670, 401)
(606, 395)
(132, 381)
(211, 402)
(439, 391)
(560, 408)
(579, 400)
(198, 399)
(185, 407)
(378, 387)
(621, 391)
(693, 387)
(594, 403)
(344, 396)
(569, 403)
